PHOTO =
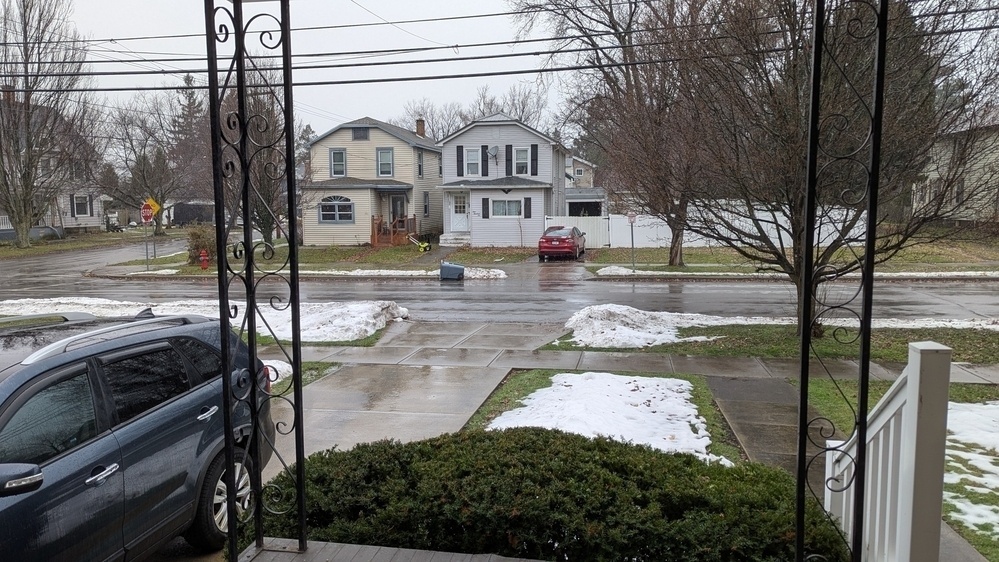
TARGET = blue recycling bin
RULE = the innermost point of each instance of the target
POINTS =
(452, 271)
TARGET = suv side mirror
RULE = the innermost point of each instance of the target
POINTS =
(19, 479)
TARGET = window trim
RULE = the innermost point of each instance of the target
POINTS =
(517, 162)
(426, 203)
(378, 162)
(506, 202)
(343, 200)
(344, 152)
(478, 165)
(579, 172)
(419, 163)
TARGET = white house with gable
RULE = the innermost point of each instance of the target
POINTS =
(501, 177)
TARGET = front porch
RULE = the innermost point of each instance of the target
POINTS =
(286, 550)
(392, 232)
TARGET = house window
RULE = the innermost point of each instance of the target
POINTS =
(81, 205)
(460, 205)
(384, 161)
(426, 203)
(522, 158)
(579, 172)
(359, 133)
(472, 162)
(419, 163)
(959, 191)
(338, 162)
(503, 208)
(440, 166)
(336, 208)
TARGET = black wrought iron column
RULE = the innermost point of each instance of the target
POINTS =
(843, 166)
(252, 137)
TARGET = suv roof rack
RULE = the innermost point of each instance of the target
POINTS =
(62, 345)
(66, 316)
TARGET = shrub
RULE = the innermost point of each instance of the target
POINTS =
(200, 237)
(544, 494)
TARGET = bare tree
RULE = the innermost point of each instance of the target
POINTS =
(522, 101)
(751, 110)
(150, 160)
(439, 120)
(43, 123)
(629, 107)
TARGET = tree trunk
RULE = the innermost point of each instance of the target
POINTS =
(22, 235)
(676, 247)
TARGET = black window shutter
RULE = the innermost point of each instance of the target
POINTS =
(72, 204)
(485, 160)
(90, 203)
(527, 207)
(461, 160)
(485, 208)
(534, 159)
(509, 160)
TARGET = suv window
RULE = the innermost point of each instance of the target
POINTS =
(142, 382)
(54, 420)
(204, 358)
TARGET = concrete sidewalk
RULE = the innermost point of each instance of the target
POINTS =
(426, 379)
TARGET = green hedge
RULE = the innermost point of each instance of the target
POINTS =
(534, 493)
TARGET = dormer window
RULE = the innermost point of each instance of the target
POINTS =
(359, 133)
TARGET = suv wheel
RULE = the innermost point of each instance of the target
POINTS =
(211, 522)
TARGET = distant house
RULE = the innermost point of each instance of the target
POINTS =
(78, 207)
(372, 183)
(582, 197)
(501, 178)
(974, 195)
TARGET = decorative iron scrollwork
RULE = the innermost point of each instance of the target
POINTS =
(848, 49)
(254, 184)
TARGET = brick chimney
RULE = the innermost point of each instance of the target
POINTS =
(421, 127)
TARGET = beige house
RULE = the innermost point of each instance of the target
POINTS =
(969, 192)
(579, 172)
(372, 183)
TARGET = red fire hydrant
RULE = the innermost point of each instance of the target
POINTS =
(203, 258)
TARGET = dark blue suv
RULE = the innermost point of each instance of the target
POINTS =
(111, 435)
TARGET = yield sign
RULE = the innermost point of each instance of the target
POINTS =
(146, 212)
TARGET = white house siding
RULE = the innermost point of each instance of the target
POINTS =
(506, 231)
(361, 156)
(433, 224)
(93, 220)
(315, 233)
(499, 135)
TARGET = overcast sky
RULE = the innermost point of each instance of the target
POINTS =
(328, 105)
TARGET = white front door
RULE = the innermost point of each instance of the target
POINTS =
(459, 212)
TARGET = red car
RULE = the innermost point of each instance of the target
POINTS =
(561, 241)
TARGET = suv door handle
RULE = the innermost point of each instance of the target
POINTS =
(99, 479)
(205, 415)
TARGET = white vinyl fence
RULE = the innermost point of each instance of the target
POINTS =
(614, 231)
(907, 432)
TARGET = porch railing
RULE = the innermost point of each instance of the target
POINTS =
(387, 232)
(907, 432)
(5, 223)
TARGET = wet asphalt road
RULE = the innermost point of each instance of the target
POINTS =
(533, 292)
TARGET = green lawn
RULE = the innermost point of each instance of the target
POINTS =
(781, 341)
(75, 242)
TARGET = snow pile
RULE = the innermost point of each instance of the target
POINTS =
(624, 327)
(320, 322)
(972, 445)
(641, 410)
(615, 325)
(617, 271)
(470, 273)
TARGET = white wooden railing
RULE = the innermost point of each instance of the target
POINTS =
(5, 223)
(907, 432)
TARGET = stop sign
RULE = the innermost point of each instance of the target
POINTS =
(146, 212)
